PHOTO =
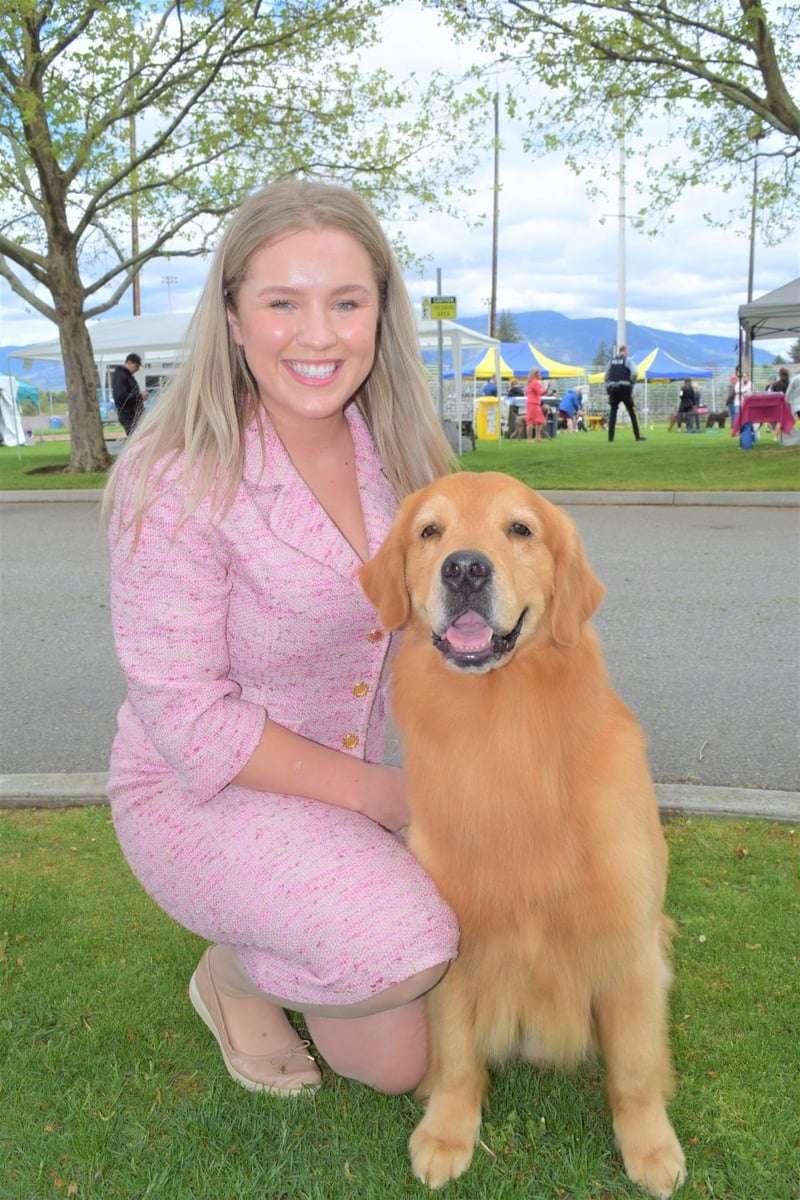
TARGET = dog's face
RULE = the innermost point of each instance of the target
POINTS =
(487, 565)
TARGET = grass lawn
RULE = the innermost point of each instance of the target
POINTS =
(665, 462)
(112, 1089)
(703, 462)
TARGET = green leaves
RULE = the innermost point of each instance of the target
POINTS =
(182, 108)
(688, 74)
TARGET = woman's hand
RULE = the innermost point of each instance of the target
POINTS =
(286, 762)
(385, 799)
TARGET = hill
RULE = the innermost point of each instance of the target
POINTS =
(567, 339)
(576, 340)
(47, 375)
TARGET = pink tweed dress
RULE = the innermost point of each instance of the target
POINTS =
(218, 623)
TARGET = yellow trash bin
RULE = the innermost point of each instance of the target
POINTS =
(488, 418)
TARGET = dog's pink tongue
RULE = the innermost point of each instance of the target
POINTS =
(469, 633)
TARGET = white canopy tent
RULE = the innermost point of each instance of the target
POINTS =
(774, 315)
(160, 338)
(155, 336)
(455, 338)
(11, 429)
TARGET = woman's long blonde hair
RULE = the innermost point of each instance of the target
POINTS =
(204, 410)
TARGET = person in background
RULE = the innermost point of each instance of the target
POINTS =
(687, 414)
(620, 379)
(534, 411)
(128, 399)
(489, 388)
(781, 384)
(793, 394)
(739, 386)
(247, 781)
(570, 407)
(515, 422)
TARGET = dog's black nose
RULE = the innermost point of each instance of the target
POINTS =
(466, 571)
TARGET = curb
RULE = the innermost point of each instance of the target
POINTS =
(679, 499)
(80, 495)
(674, 799)
(669, 499)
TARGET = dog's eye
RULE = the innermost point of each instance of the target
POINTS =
(519, 530)
(429, 531)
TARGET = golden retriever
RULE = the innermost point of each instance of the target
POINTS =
(552, 855)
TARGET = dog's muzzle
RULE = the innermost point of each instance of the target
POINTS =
(469, 642)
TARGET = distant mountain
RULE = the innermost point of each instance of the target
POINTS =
(576, 340)
(566, 339)
(47, 375)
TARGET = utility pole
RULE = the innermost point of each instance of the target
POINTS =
(137, 303)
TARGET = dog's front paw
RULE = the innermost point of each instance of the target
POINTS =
(438, 1155)
(661, 1170)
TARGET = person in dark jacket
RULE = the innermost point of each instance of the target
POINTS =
(619, 386)
(687, 407)
(128, 399)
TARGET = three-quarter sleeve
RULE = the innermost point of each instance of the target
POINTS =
(169, 605)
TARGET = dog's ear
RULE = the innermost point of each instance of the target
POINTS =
(383, 580)
(577, 591)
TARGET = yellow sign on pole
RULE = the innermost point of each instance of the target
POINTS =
(439, 308)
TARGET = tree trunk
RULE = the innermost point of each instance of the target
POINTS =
(86, 428)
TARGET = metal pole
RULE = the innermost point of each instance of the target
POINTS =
(495, 218)
(621, 336)
(440, 346)
(748, 345)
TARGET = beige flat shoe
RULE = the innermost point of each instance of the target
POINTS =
(286, 1073)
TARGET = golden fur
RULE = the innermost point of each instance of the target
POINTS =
(533, 810)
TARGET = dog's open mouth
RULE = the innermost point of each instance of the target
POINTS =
(470, 643)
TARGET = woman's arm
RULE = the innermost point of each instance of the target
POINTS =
(284, 761)
(170, 605)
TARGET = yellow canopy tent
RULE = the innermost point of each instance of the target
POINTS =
(517, 360)
(487, 367)
(551, 369)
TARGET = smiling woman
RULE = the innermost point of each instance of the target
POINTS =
(247, 784)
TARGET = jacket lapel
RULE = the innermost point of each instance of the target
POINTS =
(296, 517)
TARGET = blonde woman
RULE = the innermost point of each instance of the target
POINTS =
(534, 410)
(247, 784)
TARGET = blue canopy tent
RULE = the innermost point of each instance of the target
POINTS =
(517, 360)
(660, 367)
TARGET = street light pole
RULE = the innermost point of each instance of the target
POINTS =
(169, 280)
(621, 335)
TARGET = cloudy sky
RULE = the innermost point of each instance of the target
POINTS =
(557, 248)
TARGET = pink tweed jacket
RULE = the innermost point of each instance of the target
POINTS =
(219, 622)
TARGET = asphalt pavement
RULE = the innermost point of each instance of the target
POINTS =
(701, 626)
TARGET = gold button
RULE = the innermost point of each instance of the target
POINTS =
(350, 741)
(360, 689)
(374, 635)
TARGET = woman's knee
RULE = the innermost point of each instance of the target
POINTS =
(387, 1051)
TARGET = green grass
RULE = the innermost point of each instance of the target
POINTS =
(21, 469)
(112, 1089)
(704, 462)
(666, 462)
